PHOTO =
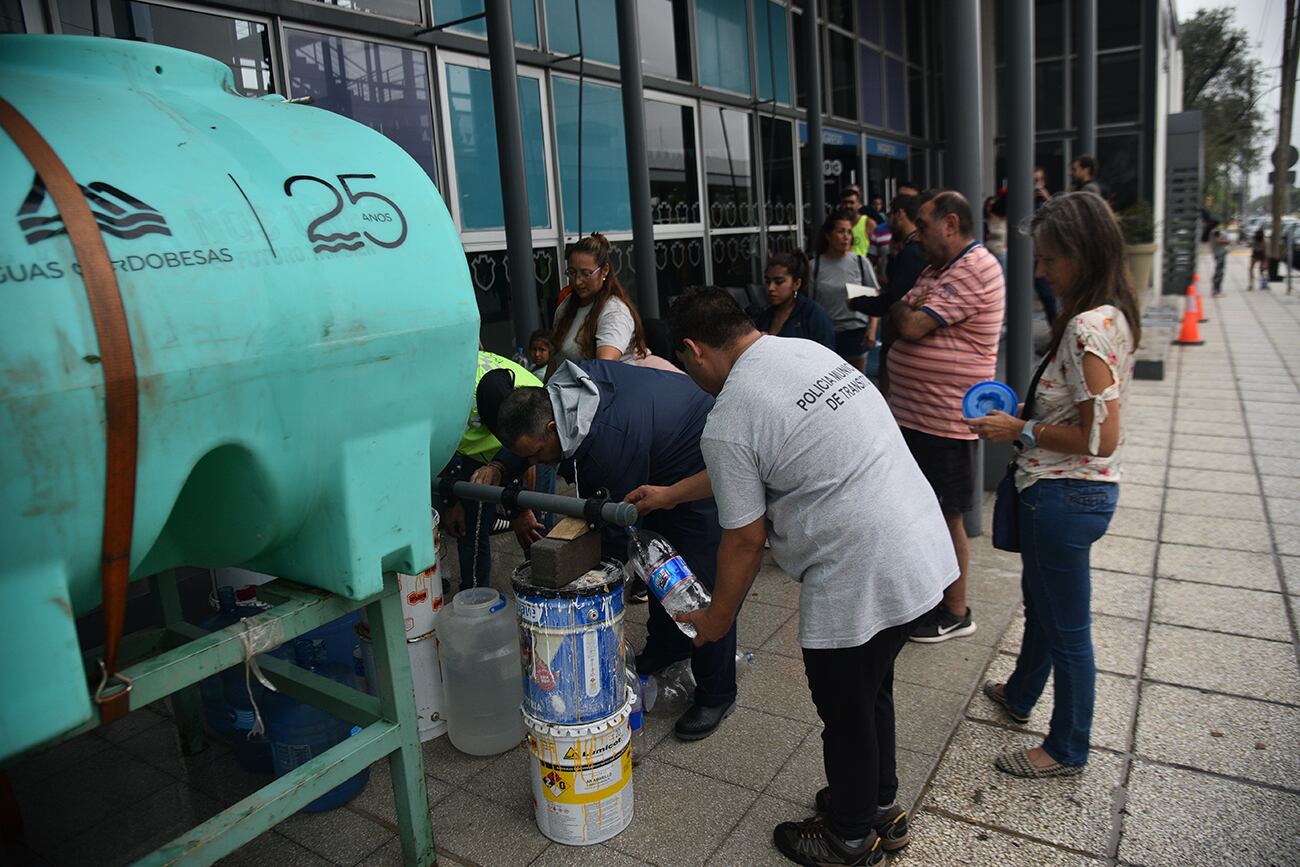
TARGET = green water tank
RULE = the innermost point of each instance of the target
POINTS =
(304, 331)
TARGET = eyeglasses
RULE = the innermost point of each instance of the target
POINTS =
(584, 273)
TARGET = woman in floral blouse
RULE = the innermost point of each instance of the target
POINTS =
(1067, 472)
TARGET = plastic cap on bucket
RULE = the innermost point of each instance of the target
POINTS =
(478, 601)
(983, 398)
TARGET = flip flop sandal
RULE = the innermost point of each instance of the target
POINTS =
(1017, 763)
(992, 694)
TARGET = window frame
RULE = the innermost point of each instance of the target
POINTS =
(439, 147)
(675, 230)
(479, 237)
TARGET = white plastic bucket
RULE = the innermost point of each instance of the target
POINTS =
(582, 777)
(426, 679)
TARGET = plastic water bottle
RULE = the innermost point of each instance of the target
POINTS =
(744, 658)
(672, 690)
(664, 571)
(636, 718)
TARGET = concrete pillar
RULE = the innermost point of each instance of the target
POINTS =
(1018, 19)
(1085, 77)
(963, 151)
(510, 158)
(811, 49)
(638, 165)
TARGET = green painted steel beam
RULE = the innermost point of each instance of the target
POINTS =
(204, 654)
(348, 704)
(277, 801)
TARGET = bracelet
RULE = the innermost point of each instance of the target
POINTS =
(499, 467)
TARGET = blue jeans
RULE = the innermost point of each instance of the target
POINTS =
(479, 518)
(1059, 521)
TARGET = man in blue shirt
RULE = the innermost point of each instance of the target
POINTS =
(635, 432)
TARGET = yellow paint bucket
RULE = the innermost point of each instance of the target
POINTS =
(582, 777)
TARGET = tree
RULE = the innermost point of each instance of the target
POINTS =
(1221, 78)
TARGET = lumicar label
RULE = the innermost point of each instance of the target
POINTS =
(586, 785)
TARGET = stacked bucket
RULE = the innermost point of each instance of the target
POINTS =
(576, 705)
(421, 597)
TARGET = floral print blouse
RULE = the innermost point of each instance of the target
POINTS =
(1104, 332)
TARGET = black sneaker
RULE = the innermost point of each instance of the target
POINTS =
(940, 625)
(637, 592)
(890, 822)
(811, 843)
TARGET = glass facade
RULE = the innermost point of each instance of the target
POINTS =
(386, 87)
(599, 167)
(724, 142)
(674, 163)
(522, 12)
(472, 132)
(665, 38)
(722, 32)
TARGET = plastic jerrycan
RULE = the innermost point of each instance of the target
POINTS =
(482, 677)
(303, 326)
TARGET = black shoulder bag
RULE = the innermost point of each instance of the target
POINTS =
(1006, 507)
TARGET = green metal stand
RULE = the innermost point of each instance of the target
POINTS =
(388, 721)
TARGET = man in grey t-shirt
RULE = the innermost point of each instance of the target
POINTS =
(801, 449)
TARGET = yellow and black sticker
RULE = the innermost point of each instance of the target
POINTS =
(587, 784)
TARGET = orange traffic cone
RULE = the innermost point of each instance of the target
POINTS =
(1200, 309)
(1190, 334)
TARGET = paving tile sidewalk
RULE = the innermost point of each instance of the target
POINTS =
(1197, 733)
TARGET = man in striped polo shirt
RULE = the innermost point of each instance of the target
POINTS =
(946, 340)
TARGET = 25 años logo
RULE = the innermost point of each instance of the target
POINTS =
(375, 209)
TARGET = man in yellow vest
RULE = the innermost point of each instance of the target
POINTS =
(469, 521)
(863, 226)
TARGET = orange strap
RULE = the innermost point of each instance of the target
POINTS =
(121, 399)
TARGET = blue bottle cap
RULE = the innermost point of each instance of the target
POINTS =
(983, 398)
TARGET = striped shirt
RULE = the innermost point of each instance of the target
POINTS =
(929, 377)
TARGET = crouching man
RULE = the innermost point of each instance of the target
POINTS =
(802, 450)
(621, 427)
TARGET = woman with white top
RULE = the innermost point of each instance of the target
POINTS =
(1067, 472)
(833, 269)
(597, 319)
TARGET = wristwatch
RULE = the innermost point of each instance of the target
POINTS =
(1027, 440)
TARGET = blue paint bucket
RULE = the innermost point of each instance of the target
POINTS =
(572, 644)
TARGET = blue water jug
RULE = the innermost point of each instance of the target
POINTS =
(338, 638)
(216, 711)
(252, 752)
(300, 732)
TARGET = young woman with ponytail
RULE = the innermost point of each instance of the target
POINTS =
(789, 312)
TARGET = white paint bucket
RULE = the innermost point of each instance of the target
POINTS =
(582, 777)
(426, 680)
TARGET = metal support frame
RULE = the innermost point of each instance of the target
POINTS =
(1085, 102)
(1018, 19)
(388, 721)
(638, 166)
(524, 311)
(813, 88)
(964, 151)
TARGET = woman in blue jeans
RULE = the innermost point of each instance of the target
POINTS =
(1067, 472)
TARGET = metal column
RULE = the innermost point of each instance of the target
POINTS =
(510, 158)
(963, 154)
(638, 165)
(813, 88)
(1018, 19)
(1085, 102)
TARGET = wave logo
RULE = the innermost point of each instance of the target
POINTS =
(116, 213)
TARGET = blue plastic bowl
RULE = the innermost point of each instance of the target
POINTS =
(983, 398)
